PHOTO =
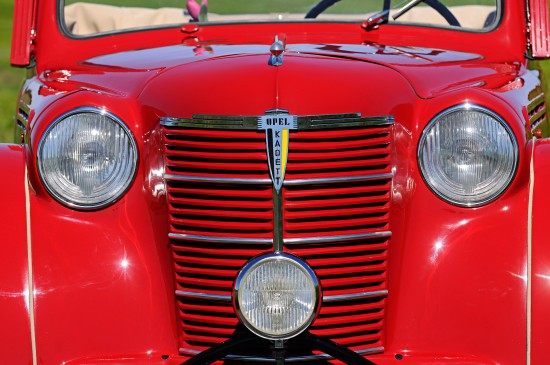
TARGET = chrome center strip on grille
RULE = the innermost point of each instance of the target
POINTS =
(338, 179)
(294, 241)
(227, 180)
(278, 241)
(183, 236)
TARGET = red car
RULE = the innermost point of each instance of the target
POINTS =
(285, 182)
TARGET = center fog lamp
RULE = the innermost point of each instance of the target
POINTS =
(276, 296)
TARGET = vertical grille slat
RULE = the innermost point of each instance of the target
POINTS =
(335, 216)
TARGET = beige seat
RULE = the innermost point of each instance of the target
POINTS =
(469, 16)
(86, 18)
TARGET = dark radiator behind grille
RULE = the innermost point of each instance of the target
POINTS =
(335, 203)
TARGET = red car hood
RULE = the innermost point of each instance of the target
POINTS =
(313, 79)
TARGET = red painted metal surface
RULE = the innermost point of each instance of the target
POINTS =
(539, 269)
(539, 28)
(108, 272)
(15, 331)
(23, 32)
(105, 280)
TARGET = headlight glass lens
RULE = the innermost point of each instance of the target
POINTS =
(276, 296)
(87, 158)
(468, 155)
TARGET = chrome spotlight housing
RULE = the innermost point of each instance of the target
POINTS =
(276, 296)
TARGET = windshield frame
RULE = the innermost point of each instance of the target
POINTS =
(362, 21)
(507, 41)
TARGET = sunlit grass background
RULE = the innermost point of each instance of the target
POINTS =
(12, 78)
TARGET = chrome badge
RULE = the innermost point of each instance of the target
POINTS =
(277, 126)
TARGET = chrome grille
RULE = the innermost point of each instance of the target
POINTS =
(335, 215)
(537, 112)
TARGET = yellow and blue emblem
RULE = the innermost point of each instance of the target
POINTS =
(277, 127)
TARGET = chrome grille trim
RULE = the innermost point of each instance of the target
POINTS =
(295, 241)
(337, 298)
(225, 180)
(326, 298)
(22, 117)
(337, 179)
(189, 294)
(202, 290)
(204, 121)
(23, 112)
(349, 120)
(192, 352)
(342, 121)
(537, 111)
(182, 236)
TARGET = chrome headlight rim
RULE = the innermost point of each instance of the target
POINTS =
(258, 260)
(135, 160)
(481, 109)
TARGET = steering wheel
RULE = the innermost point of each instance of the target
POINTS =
(435, 4)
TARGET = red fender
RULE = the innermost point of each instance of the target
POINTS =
(15, 328)
(540, 268)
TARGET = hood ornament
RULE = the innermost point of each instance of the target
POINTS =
(277, 49)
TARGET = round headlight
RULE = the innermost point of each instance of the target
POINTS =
(276, 296)
(87, 158)
(468, 155)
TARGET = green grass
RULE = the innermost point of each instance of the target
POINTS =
(10, 78)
